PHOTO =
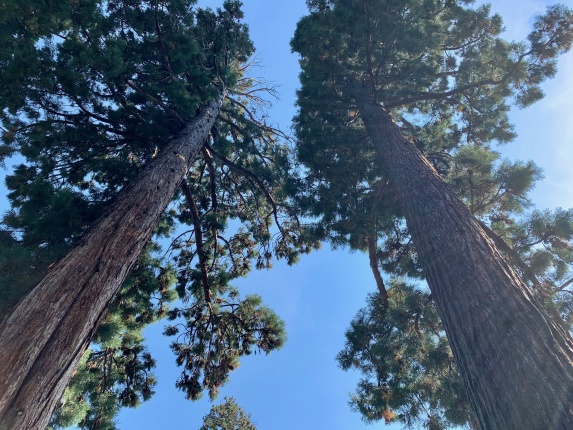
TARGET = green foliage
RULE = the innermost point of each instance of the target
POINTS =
(488, 185)
(227, 416)
(543, 240)
(408, 372)
(21, 269)
(104, 95)
(215, 335)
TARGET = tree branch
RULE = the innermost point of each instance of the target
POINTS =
(372, 248)
(155, 100)
(565, 285)
(198, 239)
(253, 178)
(396, 102)
(213, 185)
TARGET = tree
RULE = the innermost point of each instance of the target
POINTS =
(104, 85)
(384, 83)
(400, 348)
(227, 416)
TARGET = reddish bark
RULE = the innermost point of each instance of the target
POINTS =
(43, 339)
(516, 361)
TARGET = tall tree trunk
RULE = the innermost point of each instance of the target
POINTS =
(43, 339)
(516, 361)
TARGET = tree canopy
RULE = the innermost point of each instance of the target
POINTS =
(93, 91)
(227, 416)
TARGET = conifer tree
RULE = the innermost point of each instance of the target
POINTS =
(390, 91)
(111, 103)
(227, 416)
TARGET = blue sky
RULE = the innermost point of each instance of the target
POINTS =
(300, 386)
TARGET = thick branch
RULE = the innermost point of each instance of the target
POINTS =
(565, 285)
(213, 185)
(372, 248)
(198, 239)
(375, 271)
(396, 102)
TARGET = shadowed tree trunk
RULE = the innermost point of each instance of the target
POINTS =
(44, 337)
(516, 361)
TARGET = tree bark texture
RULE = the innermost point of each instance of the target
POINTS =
(43, 339)
(517, 362)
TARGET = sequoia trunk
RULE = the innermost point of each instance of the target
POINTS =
(516, 361)
(44, 337)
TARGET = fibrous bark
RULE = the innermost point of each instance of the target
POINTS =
(43, 339)
(516, 361)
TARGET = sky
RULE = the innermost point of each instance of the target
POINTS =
(300, 386)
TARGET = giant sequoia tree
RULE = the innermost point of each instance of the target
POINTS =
(390, 90)
(110, 103)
